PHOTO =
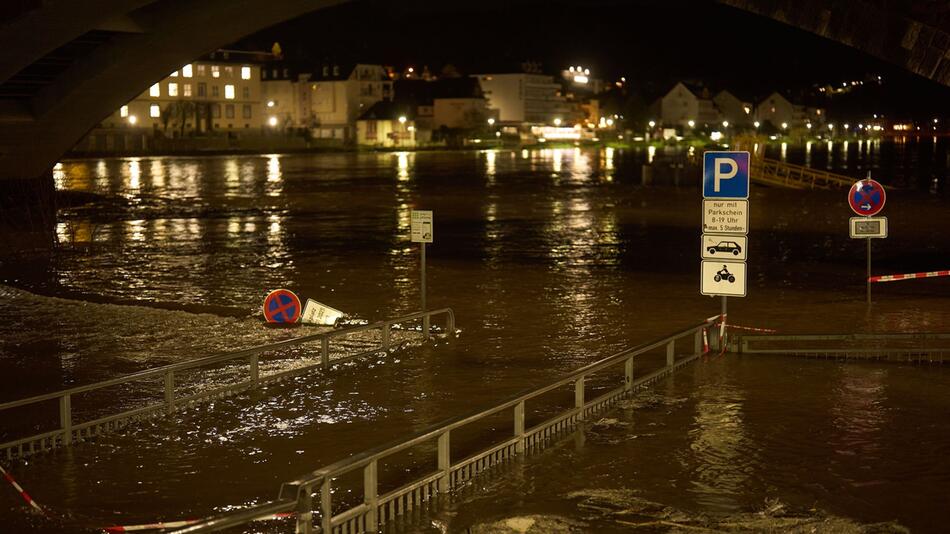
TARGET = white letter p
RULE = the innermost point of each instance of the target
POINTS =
(718, 175)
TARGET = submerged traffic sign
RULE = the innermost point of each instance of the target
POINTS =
(867, 197)
(726, 174)
(282, 306)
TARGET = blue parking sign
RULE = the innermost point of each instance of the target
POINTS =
(725, 175)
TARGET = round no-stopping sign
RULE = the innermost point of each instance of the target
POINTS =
(282, 306)
(867, 197)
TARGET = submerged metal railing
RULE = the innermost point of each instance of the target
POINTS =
(917, 347)
(774, 172)
(375, 509)
(69, 430)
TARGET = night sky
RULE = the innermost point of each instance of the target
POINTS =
(652, 42)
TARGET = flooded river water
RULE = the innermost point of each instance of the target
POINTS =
(551, 259)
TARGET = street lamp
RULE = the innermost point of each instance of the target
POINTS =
(491, 121)
(133, 119)
(557, 122)
(652, 124)
(402, 119)
(756, 124)
(784, 125)
(831, 126)
(691, 123)
(272, 121)
(725, 124)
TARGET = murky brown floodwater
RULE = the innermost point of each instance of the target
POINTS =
(550, 259)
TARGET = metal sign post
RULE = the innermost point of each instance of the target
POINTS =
(867, 198)
(421, 232)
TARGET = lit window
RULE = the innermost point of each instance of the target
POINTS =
(200, 70)
(245, 73)
(186, 89)
(124, 111)
(186, 71)
(215, 71)
(174, 74)
(155, 90)
(172, 89)
(229, 92)
(154, 111)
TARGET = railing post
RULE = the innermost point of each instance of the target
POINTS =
(445, 462)
(579, 396)
(450, 323)
(326, 507)
(385, 336)
(628, 374)
(66, 418)
(698, 342)
(325, 351)
(255, 371)
(519, 427)
(304, 510)
(371, 495)
(426, 319)
(670, 351)
(170, 391)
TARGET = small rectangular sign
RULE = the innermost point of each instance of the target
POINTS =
(317, 313)
(723, 278)
(864, 227)
(726, 216)
(723, 246)
(421, 226)
(726, 174)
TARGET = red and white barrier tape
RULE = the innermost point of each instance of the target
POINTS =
(184, 523)
(908, 276)
(26, 496)
(752, 329)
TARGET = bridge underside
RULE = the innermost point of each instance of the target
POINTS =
(65, 65)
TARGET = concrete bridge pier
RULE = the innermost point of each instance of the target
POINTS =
(28, 204)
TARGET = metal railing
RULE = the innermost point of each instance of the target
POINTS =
(920, 347)
(375, 509)
(774, 172)
(69, 430)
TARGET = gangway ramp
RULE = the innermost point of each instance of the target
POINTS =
(777, 173)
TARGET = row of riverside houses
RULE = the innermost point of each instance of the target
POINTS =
(688, 106)
(254, 100)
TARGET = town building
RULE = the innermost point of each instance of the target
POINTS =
(783, 114)
(522, 99)
(284, 96)
(339, 95)
(737, 112)
(216, 94)
(387, 124)
(686, 107)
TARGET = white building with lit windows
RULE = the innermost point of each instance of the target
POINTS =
(334, 96)
(201, 97)
(524, 99)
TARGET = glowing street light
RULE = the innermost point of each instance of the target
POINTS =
(133, 119)
(652, 124)
(270, 103)
(757, 124)
(402, 119)
(785, 126)
(691, 123)
(610, 122)
(831, 127)
(272, 121)
(725, 124)
(808, 125)
(557, 122)
(491, 121)
(846, 126)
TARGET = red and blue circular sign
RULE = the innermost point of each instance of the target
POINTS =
(282, 306)
(867, 197)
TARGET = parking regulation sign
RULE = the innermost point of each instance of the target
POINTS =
(282, 306)
(726, 174)
(867, 197)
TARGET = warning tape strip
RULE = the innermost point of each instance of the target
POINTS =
(26, 496)
(184, 523)
(908, 276)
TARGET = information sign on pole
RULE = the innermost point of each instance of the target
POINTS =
(725, 224)
(868, 227)
(421, 226)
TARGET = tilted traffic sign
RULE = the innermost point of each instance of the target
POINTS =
(282, 306)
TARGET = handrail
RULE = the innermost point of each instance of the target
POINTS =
(371, 512)
(64, 435)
